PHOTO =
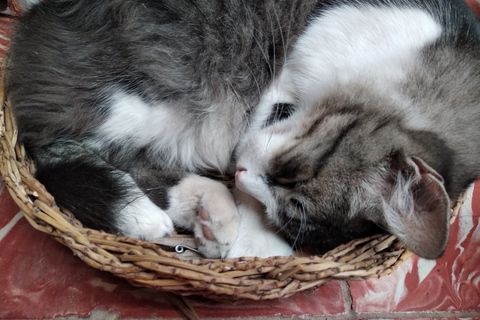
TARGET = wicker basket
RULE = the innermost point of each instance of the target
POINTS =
(17, 7)
(148, 265)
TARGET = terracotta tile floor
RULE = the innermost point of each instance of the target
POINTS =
(41, 279)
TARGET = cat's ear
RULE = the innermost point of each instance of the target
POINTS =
(416, 207)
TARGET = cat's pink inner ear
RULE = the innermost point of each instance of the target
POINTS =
(425, 228)
(432, 208)
(423, 168)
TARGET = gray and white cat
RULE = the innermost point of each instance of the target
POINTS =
(338, 119)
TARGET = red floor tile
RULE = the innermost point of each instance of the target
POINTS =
(8, 208)
(7, 24)
(475, 6)
(327, 300)
(451, 283)
(42, 279)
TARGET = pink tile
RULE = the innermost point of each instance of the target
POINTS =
(442, 318)
(8, 208)
(451, 283)
(7, 27)
(475, 6)
(7, 24)
(327, 300)
(42, 279)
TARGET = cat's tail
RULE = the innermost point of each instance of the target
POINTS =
(100, 195)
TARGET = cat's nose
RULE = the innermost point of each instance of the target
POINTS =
(239, 170)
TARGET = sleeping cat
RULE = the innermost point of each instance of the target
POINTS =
(338, 119)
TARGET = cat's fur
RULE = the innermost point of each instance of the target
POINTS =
(341, 118)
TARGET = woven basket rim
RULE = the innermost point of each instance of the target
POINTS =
(145, 264)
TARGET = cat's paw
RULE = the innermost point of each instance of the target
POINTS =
(217, 224)
(256, 238)
(264, 245)
(142, 219)
(207, 208)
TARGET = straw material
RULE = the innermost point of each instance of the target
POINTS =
(148, 265)
(15, 7)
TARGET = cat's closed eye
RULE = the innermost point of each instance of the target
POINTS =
(287, 183)
(280, 111)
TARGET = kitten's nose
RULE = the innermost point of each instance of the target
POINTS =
(239, 170)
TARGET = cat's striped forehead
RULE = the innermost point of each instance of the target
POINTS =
(340, 134)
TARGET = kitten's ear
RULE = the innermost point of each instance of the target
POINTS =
(417, 208)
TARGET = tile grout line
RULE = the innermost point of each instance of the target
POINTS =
(419, 314)
(2, 185)
(347, 300)
(100, 314)
(4, 231)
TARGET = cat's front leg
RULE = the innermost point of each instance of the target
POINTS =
(207, 208)
(256, 238)
(194, 203)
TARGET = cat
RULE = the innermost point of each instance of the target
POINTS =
(337, 119)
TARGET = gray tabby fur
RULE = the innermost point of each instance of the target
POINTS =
(118, 100)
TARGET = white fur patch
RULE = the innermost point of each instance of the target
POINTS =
(250, 181)
(362, 44)
(358, 44)
(255, 238)
(142, 219)
(168, 131)
(400, 207)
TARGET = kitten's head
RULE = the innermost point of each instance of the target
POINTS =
(339, 170)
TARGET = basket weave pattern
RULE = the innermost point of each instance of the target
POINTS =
(147, 265)
(14, 7)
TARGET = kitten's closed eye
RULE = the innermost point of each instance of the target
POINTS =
(287, 183)
(281, 111)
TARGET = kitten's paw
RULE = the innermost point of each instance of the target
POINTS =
(217, 225)
(264, 244)
(142, 219)
(207, 208)
(255, 237)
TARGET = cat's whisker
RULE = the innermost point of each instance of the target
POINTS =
(272, 29)
(284, 226)
(264, 54)
(303, 223)
(286, 44)
(269, 139)
(135, 198)
(281, 36)
(235, 92)
(257, 84)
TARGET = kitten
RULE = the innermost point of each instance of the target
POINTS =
(338, 119)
